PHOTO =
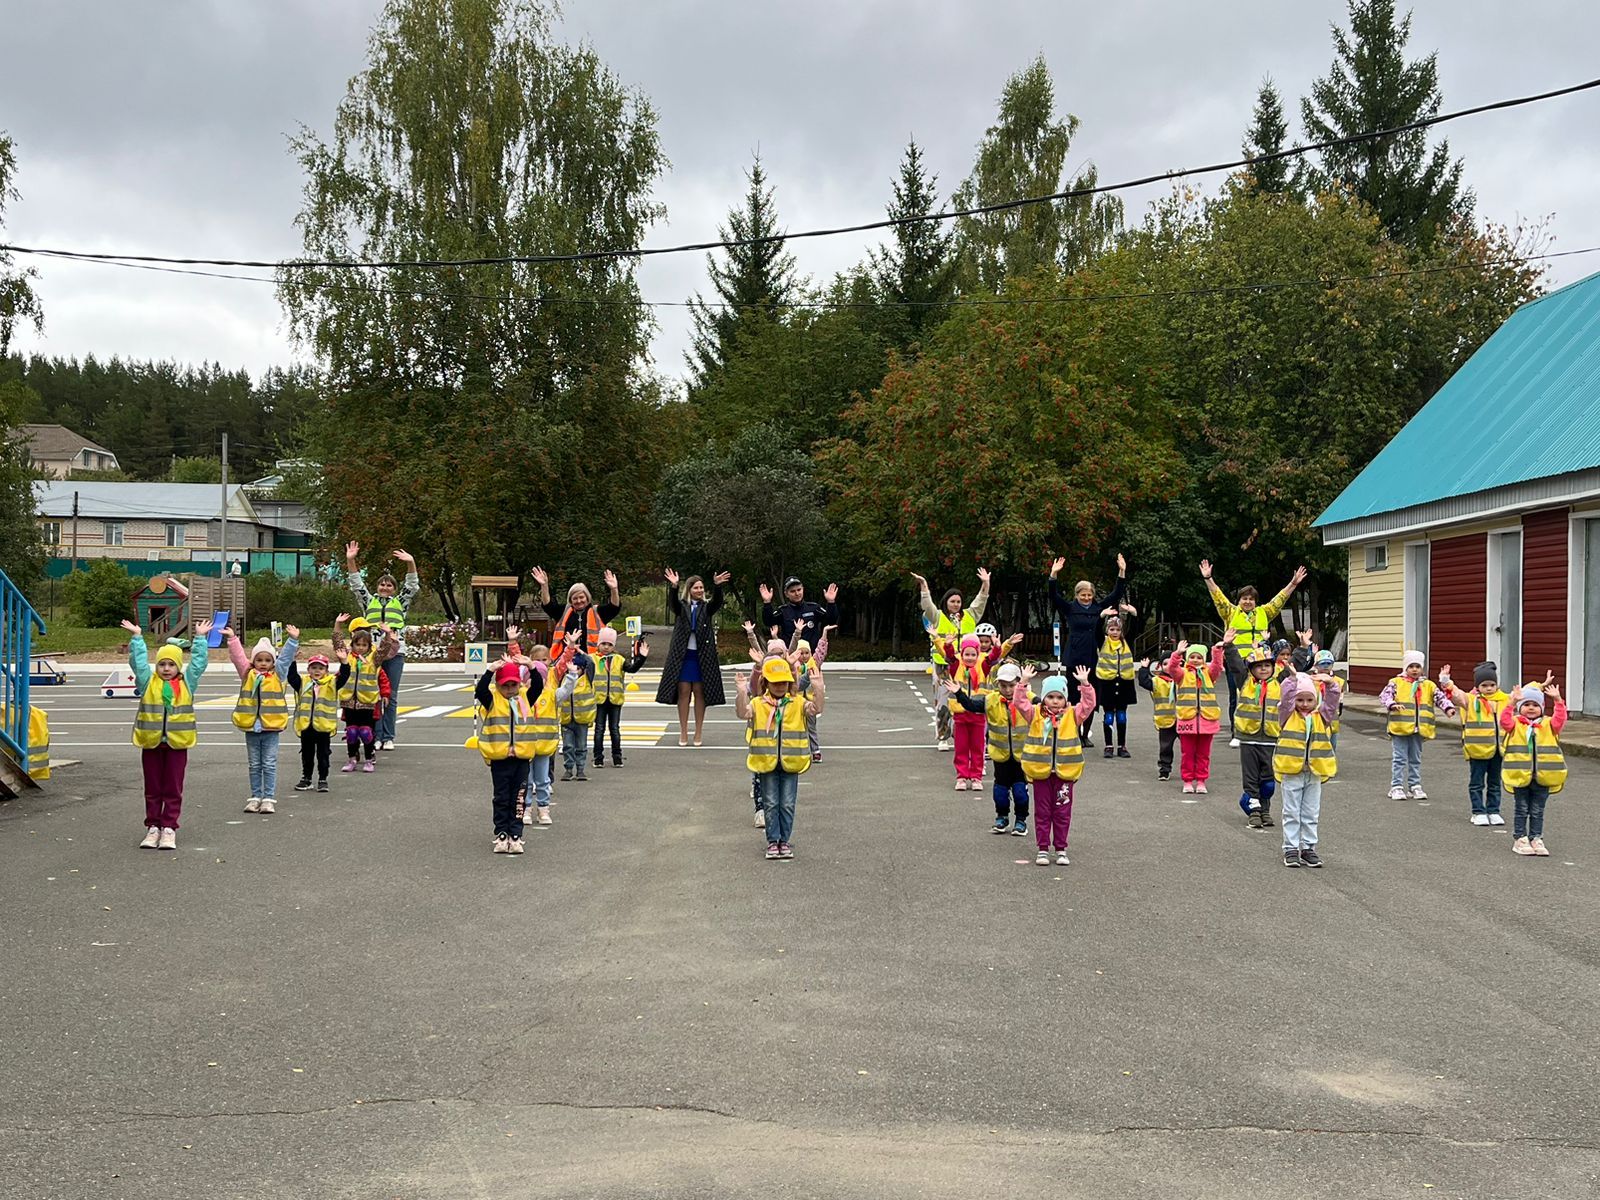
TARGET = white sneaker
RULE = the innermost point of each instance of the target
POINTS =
(1042, 858)
(1521, 846)
(1233, 743)
(761, 819)
(517, 846)
(946, 744)
(268, 807)
(502, 844)
(1480, 818)
(152, 835)
(1188, 787)
(1200, 788)
(1397, 793)
(388, 744)
(1418, 794)
(169, 840)
(1062, 860)
(544, 815)
(253, 804)
(1496, 819)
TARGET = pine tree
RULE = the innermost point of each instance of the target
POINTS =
(917, 271)
(753, 280)
(1415, 192)
(1023, 155)
(1266, 135)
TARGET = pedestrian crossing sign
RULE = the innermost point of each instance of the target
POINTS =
(635, 626)
(476, 657)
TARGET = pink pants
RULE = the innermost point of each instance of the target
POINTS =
(1052, 811)
(971, 729)
(1196, 754)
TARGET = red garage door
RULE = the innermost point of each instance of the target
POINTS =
(1544, 595)
(1457, 602)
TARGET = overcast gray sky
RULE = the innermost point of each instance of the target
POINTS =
(160, 127)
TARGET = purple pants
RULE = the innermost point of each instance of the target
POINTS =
(1052, 811)
(163, 785)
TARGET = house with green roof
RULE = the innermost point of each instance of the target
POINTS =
(1475, 533)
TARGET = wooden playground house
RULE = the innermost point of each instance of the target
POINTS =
(166, 608)
(496, 604)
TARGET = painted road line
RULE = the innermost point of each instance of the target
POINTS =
(422, 714)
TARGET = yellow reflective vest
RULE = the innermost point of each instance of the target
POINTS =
(1163, 700)
(1053, 747)
(360, 688)
(1257, 713)
(155, 723)
(1008, 729)
(1305, 742)
(1480, 724)
(777, 735)
(319, 705)
(261, 697)
(972, 680)
(1533, 755)
(1414, 701)
(1115, 661)
(578, 708)
(507, 730)
(546, 727)
(1198, 694)
(610, 680)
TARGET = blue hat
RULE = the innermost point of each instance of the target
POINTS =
(1324, 658)
(1053, 683)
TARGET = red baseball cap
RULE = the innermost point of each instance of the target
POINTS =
(508, 673)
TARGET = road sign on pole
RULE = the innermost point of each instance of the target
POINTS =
(475, 658)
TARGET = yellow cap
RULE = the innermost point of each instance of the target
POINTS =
(776, 670)
(170, 653)
(360, 623)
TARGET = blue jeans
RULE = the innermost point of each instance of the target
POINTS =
(540, 770)
(1406, 765)
(1483, 784)
(261, 750)
(1300, 798)
(384, 731)
(779, 790)
(575, 748)
(1528, 820)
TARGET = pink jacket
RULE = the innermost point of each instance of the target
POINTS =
(1176, 670)
(1081, 711)
(1509, 720)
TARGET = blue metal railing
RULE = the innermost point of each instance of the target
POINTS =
(17, 623)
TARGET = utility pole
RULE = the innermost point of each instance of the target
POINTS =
(223, 573)
(74, 533)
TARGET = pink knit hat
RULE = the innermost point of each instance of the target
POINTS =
(264, 646)
(971, 642)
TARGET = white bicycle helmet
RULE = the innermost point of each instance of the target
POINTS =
(987, 630)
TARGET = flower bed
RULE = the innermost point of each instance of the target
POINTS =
(440, 643)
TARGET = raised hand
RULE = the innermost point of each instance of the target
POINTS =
(750, 628)
(827, 629)
(571, 638)
(741, 681)
(1028, 674)
(402, 556)
(1228, 636)
(670, 576)
(1552, 691)
(1128, 608)
(540, 577)
(1107, 612)
(513, 633)
(643, 648)
(721, 577)
(1081, 674)
(351, 550)
(342, 654)
(1298, 577)
(1122, 565)
(133, 628)
(766, 593)
(1205, 568)
(1549, 680)
(921, 581)
(1444, 675)
(1144, 664)
(1013, 640)
(228, 633)
(341, 619)
(201, 629)
(983, 576)
(831, 592)
(1056, 565)
(1305, 637)
(293, 631)
(1181, 647)
(611, 579)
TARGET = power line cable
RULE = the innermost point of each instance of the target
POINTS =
(864, 227)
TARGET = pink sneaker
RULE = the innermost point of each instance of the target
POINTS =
(1201, 788)
(1521, 846)
(1536, 846)
(152, 835)
(1188, 787)
(348, 767)
(369, 766)
(961, 785)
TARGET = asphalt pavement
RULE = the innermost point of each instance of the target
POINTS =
(355, 998)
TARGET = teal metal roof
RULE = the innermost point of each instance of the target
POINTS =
(1525, 406)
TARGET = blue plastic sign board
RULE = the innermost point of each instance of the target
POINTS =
(219, 621)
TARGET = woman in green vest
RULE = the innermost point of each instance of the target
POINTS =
(386, 607)
(946, 621)
(1250, 620)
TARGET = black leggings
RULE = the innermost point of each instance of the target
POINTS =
(314, 750)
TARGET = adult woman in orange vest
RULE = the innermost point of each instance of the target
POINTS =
(580, 614)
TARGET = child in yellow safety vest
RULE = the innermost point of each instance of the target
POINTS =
(1412, 702)
(1052, 758)
(262, 711)
(807, 665)
(316, 716)
(513, 729)
(1113, 681)
(1255, 728)
(969, 670)
(1199, 715)
(611, 673)
(1480, 711)
(779, 752)
(164, 728)
(363, 687)
(1304, 760)
(575, 700)
(1163, 698)
(1007, 731)
(1535, 769)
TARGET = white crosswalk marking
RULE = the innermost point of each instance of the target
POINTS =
(433, 710)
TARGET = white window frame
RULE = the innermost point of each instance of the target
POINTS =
(1373, 550)
(111, 532)
(51, 531)
(1410, 619)
(177, 533)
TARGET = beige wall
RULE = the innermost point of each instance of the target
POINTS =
(62, 468)
(1377, 608)
(139, 538)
